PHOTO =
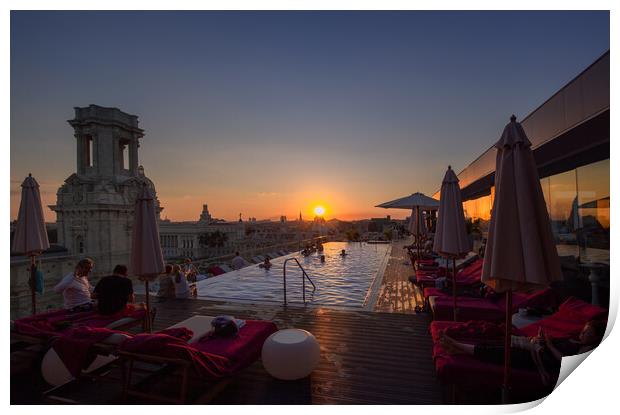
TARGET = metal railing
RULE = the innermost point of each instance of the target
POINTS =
(304, 275)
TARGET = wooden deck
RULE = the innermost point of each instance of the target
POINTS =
(397, 294)
(367, 357)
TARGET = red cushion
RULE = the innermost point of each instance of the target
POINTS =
(568, 322)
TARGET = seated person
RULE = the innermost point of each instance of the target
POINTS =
(238, 262)
(113, 293)
(121, 270)
(541, 353)
(343, 253)
(266, 264)
(181, 285)
(190, 270)
(75, 287)
(166, 286)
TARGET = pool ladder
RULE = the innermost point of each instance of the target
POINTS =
(304, 275)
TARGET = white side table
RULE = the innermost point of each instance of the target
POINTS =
(290, 354)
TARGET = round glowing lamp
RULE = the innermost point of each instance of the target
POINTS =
(290, 354)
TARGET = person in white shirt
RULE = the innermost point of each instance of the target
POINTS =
(238, 262)
(75, 287)
(181, 286)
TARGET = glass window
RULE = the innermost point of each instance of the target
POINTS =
(593, 196)
(563, 212)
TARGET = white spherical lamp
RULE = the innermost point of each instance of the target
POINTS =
(290, 354)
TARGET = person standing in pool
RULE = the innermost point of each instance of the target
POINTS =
(343, 253)
(267, 264)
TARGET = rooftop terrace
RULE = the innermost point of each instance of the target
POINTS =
(358, 348)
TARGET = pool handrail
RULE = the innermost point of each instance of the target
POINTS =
(304, 275)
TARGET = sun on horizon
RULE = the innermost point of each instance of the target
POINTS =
(319, 210)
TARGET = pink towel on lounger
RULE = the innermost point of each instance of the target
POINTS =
(210, 357)
(54, 323)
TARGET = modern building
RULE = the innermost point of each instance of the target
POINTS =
(570, 139)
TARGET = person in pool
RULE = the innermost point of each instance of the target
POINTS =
(343, 253)
(541, 353)
(267, 264)
(322, 258)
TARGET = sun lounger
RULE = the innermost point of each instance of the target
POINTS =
(182, 351)
(216, 270)
(42, 327)
(225, 268)
(469, 274)
(492, 308)
(257, 259)
(465, 371)
(207, 358)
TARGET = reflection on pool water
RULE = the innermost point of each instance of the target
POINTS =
(340, 281)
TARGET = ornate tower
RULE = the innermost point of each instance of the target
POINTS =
(94, 208)
(205, 216)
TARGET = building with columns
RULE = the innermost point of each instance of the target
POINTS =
(94, 208)
(182, 239)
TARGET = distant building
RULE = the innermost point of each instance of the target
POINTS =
(183, 239)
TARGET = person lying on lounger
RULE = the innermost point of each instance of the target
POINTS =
(541, 353)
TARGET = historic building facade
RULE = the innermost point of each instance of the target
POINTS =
(94, 208)
(183, 239)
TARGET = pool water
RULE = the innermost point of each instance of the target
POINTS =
(350, 281)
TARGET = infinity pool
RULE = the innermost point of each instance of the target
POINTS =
(350, 281)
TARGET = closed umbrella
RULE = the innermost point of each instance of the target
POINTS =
(146, 257)
(417, 223)
(30, 235)
(451, 239)
(417, 202)
(520, 252)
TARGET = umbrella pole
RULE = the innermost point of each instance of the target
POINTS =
(454, 284)
(33, 283)
(507, 344)
(148, 306)
(417, 232)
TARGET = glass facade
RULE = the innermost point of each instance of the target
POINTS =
(578, 205)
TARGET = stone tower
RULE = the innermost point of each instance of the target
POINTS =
(94, 208)
(205, 216)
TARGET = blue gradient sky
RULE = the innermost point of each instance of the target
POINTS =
(267, 113)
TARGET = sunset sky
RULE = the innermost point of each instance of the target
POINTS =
(270, 113)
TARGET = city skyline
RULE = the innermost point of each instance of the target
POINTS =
(270, 113)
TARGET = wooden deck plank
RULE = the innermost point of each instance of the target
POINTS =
(396, 294)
